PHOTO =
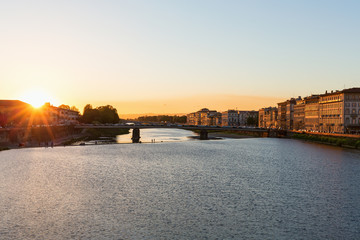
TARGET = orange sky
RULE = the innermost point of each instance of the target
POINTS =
(127, 109)
(158, 56)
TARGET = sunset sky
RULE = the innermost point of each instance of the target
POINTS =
(177, 56)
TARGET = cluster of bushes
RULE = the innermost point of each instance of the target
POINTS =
(339, 141)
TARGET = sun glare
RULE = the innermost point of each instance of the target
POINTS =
(36, 98)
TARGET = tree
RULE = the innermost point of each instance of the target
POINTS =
(108, 114)
(63, 106)
(73, 108)
(102, 114)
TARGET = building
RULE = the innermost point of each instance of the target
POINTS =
(262, 122)
(230, 118)
(299, 114)
(282, 115)
(311, 110)
(191, 118)
(340, 111)
(248, 118)
(55, 115)
(240, 118)
(204, 117)
(290, 113)
(14, 113)
(331, 112)
(268, 117)
(214, 119)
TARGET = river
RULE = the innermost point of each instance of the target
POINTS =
(253, 188)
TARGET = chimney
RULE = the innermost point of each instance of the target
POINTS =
(326, 92)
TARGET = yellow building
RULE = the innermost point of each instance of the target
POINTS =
(311, 110)
(340, 111)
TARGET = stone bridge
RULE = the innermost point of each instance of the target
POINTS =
(203, 130)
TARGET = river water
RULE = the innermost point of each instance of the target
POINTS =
(259, 188)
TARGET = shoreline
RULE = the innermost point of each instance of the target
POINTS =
(228, 135)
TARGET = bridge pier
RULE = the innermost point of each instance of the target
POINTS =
(135, 135)
(203, 135)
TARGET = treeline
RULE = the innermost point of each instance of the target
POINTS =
(102, 114)
(163, 118)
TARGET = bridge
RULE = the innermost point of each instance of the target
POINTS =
(204, 130)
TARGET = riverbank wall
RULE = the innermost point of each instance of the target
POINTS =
(35, 136)
(52, 136)
(341, 140)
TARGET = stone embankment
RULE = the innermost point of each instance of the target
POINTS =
(341, 140)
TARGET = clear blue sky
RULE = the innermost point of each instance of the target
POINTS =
(146, 50)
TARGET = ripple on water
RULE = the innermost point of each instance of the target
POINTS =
(244, 188)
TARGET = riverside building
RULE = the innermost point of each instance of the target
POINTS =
(311, 113)
(299, 114)
(233, 118)
(236, 118)
(204, 117)
(268, 117)
(340, 111)
(332, 112)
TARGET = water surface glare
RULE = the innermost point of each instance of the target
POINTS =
(243, 189)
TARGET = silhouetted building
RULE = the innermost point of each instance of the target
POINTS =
(15, 112)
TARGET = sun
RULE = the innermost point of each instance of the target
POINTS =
(36, 98)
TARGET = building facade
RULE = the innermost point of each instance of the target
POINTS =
(299, 114)
(311, 110)
(230, 118)
(331, 112)
(204, 117)
(340, 111)
(55, 115)
(282, 115)
(268, 117)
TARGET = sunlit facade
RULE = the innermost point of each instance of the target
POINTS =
(331, 112)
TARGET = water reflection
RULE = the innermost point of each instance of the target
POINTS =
(232, 189)
(158, 135)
